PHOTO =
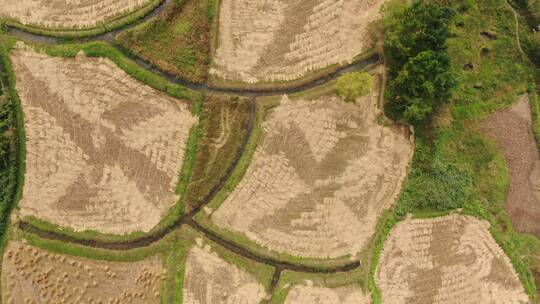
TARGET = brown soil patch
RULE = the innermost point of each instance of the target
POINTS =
(33, 275)
(512, 130)
(322, 174)
(284, 40)
(103, 150)
(209, 279)
(450, 259)
(67, 13)
(309, 294)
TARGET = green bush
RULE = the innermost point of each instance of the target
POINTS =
(421, 78)
(354, 85)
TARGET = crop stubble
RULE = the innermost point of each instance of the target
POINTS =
(210, 279)
(33, 275)
(449, 259)
(308, 294)
(103, 151)
(284, 40)
(67, 13)
(322, 174)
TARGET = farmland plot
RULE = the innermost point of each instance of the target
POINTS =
(322, 174)
(450, 259)
(33, 275)
(512, 130)
(284, 40)
(210, 279)
(67, 13)
(309, 294)
(103, 151)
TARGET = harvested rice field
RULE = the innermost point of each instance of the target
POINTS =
(267, 41)
(323, 172)
(67, 13)
(309, 294)
(337, 288)
(103, 150)
(210, 279)
(449, 259)
(33, 275)
(512, 131)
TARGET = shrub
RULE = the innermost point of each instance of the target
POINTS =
(353, 85)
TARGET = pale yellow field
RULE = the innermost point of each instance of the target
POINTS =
(283, 40)
(103, 150)
(309, 294)
(33, 275)
(450, 259)
(209, 279)
(67, 13)
(321, 176)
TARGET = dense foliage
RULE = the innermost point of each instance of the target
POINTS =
(415, 46)
(353, 85)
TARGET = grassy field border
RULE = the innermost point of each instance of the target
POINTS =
(195, 99)
(108, 25)
(220, 83)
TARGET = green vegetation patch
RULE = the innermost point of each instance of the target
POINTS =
(535, 113)
(224, 122)
(354, 85)
(454, 166)
(178, 41)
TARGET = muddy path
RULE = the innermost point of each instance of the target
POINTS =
(188, 219)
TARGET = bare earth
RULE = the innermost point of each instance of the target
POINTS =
(512, 130)
(309, 294)
(103, 150)
(208, 280)
(450, 259)
(280, 40)
(67, 13)
(321, 176)
(33, 275)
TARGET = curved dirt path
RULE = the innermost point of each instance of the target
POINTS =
(187, 219)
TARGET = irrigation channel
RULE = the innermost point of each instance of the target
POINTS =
(188, 218)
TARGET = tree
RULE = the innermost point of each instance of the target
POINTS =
(420, 27)
(353, 85)
(423, 84)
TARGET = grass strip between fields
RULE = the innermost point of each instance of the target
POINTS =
(534, 102)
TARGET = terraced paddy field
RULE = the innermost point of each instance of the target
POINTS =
(338, 288)
(269, 41)
(321, 175)
(34, 275)
(103, 150)
(210, 279)
(449, 259)
(64, 14)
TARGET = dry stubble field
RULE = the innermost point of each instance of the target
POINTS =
(284, 40)
(103, 150)
(31, 275)
(67, 13)
(449, 259)
(307, 293)
(322, 174)
(210, 279)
